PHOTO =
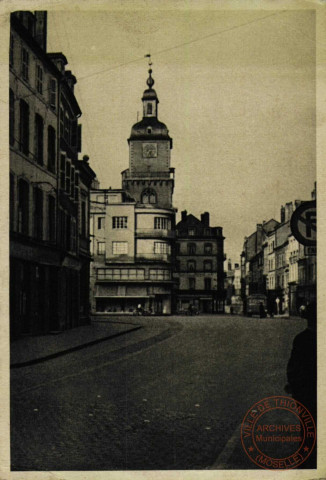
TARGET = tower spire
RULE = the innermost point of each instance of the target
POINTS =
(150, 81)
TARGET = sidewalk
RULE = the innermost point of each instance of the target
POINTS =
(30, 350)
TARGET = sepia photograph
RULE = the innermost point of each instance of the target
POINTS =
(162, 222)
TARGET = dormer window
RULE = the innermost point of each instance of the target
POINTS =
(149, 130)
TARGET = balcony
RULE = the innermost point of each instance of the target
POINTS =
(154, 233)
(126, 174)
(153, 257)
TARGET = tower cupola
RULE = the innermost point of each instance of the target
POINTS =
(150, 127)
(150, 100)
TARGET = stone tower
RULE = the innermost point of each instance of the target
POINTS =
(149, 178)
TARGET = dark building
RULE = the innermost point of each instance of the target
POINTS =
(199, 265)
(49, 187)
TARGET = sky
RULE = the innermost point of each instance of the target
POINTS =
(236, 91)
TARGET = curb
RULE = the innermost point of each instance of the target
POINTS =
(72, 349)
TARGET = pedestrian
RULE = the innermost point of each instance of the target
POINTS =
(302, 309)
(139, 309)
(277, 305)
(302, 370)
(302, 365)
(262, 313)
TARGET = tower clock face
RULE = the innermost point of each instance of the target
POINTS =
(149, 150)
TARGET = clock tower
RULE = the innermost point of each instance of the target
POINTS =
(149, 178)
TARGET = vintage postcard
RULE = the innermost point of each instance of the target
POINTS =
(160, 310)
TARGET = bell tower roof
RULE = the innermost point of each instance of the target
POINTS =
(150, 128)
(149, 93)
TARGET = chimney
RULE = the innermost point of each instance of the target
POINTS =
(184, 215)
(41, 28)
(229, 264)
(204, 218)
(259, 227)
(282, 214)
(71, 79)
(288, 211)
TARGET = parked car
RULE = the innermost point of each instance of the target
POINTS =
(257, 305)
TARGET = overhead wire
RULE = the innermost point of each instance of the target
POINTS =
(190, 42)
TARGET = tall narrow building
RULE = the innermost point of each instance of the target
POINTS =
(149, 178)
(135, 264)
(49, 187)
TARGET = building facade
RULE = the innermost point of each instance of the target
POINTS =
(199, 261)
(232, 287)
(48, 260)
(252, 259)
(135, 267)
(277, 265)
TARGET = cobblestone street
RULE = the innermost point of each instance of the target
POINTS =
(167, 396)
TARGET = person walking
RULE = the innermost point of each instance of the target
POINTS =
(302, 369)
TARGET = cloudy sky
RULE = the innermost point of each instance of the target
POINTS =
(236, 90)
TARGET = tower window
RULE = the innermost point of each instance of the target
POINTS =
(149, 196)
(149, 109)
(149, 130)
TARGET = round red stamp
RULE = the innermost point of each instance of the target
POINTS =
(278, 433)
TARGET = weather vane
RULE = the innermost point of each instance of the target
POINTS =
(148, 55)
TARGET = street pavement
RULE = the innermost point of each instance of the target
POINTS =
(170, 395)
(29, 350)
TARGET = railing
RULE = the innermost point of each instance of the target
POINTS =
(154, 233)
(148, 174)
(153, 257)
